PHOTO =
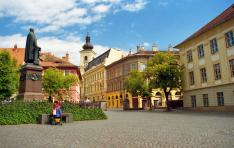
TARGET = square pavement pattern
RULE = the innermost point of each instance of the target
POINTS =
(128, 129)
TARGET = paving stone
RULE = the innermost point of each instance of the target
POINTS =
(128, 129)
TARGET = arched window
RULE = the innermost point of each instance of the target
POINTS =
(109, 102)
(158, 94)
(113, 103)
(86, 58)
(121, 99)
(178, 93)
(126, 95)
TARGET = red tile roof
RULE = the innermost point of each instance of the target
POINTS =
(50, 60)
(145, 52)
(46, 60)
(16, 53)
(223, 17)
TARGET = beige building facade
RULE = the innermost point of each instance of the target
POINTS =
(208, 58)
(158, 98)
(116, 74)
(94, 76)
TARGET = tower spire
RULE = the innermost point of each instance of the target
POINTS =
(87, 45)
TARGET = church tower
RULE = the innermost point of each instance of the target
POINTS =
(86, 55)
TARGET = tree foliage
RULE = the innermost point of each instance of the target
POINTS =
(9, 75)
(135, 84)
(55, 83)
(164, 71)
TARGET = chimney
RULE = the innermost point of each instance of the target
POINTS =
(140, 48)
(130, 52)
(67, 57)
(154, 47)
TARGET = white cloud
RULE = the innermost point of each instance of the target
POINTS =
(136, 6)
(101, 8)
(72, 45)
(53, 15)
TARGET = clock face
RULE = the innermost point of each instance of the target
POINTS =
(85, 64)
(34, 77)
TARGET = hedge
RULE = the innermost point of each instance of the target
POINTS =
(20, 112)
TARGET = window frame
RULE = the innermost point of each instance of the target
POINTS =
(220, 98)
(217, 71)
(189, 56)
(229, 39)
(193, 101)
(214, 46)
(231, 64)
(191, 78)
(200, 51)
(203, 75)
(205, 98)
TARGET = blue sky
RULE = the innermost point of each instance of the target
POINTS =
(61, 25)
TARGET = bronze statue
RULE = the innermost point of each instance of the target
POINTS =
(32, 50)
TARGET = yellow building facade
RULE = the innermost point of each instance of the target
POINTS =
(158, 98)
(208, 58)
(116, 74)
(117, 96)
(94, 83)
(94, 77)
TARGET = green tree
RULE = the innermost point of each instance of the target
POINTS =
(55, 83)
(164, 71)
(135, 84)
(9, 75)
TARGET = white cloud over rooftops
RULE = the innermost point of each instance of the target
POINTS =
(56, 46)
(52, 15)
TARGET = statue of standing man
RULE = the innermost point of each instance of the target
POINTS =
(32, 51)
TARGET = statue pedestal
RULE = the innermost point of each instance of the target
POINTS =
(30, 82)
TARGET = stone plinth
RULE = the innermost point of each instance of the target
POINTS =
(30, 82)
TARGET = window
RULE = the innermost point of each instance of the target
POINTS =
(213, 46)
(193, 101)
(133, 67)
(217, 71)
(142, 67)
(231, 62)
(189, 56)
(203, 75)
(191, 77)
(205, 100)
(229, 39)
(86, 58)
(66, 72)
(158, 94)
(200, 51)
(113, 103)
(220, 99)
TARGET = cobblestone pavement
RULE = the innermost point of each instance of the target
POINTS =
(129, 129)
